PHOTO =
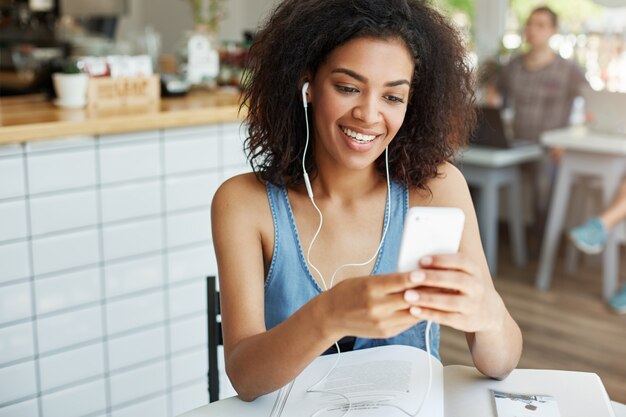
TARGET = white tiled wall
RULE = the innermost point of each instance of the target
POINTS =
(57, 212)
(65, 251)
(67, 290)
(136, 348)
(16, 342)
(69, 329)
(13, 220)
(105, 243)
(15, 302)
(12, 167)
(126, 386)
(15, 261)
(72, 365)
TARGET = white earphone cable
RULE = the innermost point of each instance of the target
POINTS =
(312, 388)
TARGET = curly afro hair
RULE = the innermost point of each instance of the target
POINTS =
(295, 40)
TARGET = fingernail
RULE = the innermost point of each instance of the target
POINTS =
(417, 276)
(411, 295)
(426, 260)
(415, 311)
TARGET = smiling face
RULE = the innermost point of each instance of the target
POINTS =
(359, 97)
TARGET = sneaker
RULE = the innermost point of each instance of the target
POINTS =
(618, 302)
(590, 237)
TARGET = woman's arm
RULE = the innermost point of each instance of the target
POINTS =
(469, 301)
(259, 361)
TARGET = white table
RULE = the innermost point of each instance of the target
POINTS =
(488, 170)
(586, 153)
(234, 407)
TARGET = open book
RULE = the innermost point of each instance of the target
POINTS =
(392, 380)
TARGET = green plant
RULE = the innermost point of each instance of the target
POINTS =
(70, 66)
(208, 13)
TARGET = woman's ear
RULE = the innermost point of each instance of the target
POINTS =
(306, 93)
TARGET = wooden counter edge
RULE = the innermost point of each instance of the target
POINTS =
(119, 124)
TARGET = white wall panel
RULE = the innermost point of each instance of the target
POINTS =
(22, 409)
(188, 228)
(15, 261)
(63, 211)
(69, 329)
(16, 342)
(132, 200)
(12, 168)
(191, 191)
(188, 333)
(189, 150)
(194, 263)
(75, 402)
(128, 162)
(17, 381)
(95, 213)
(66, 290)
(151, 408)
(61, 170)
(188, 299)
(15, 302)
(189, 367)
(135, 312)
(188, 398)
(136, 348)
(131, 239)
(12, 219)
(137, 383)
(132, 276)
(66, 251)
(70, 366)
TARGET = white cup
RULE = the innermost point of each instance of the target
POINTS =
(71, 89)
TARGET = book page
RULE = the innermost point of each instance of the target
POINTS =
(510, 404)
(577, 394)
(388, 380)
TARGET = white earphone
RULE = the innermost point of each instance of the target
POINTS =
(305, 103)
(309, 190)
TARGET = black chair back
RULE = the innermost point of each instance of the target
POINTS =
(214, 336)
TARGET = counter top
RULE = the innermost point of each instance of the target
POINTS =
(30, 118)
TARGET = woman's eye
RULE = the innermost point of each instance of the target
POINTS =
(345, 89)
(394, 99)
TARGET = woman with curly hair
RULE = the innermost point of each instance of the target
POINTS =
(389, 101)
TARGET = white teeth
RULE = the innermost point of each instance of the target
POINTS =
(359, 137)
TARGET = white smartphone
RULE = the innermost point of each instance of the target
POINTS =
(429, 231)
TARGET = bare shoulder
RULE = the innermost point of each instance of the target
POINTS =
(241, 198)
(448, 188)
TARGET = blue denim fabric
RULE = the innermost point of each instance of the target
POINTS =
(289, 283)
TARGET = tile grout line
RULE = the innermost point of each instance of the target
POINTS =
(33, 294)
(166, 284)
(105, 334)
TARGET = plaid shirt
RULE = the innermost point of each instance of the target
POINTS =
(541, 99)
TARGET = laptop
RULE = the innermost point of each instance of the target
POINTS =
(606, 111)
(491, 131)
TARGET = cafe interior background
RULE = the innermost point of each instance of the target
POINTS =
(105, 198)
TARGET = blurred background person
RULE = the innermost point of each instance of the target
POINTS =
(539, 88)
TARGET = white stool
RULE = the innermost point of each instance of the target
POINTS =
(573, 165)
(489, 170)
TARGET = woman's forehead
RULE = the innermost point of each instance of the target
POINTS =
(372, 55)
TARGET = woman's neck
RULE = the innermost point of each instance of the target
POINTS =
(341, 184)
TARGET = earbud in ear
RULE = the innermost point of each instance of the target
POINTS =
(305, 87)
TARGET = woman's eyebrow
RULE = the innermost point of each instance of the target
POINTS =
(363, 79)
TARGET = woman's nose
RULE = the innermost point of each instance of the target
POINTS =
(367, 110)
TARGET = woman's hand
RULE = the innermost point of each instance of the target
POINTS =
(455, 294)
(371, 306)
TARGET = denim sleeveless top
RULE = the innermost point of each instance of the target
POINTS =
(289, 283)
